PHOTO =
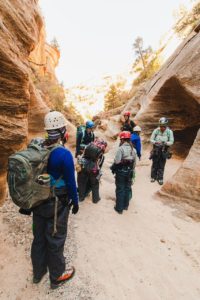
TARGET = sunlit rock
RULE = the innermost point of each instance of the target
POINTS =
(174, 92)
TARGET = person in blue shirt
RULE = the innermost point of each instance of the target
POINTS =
(136, 140)
(47, 248)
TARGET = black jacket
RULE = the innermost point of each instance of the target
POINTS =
(83, 139)
(128, 126)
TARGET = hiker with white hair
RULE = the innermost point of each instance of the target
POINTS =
(136, 140)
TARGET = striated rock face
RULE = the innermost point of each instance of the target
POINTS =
(38, 108)
(186, 182)
(42, 61)
(20, 24)
(44, 58)
(174, 92)
(108, 123)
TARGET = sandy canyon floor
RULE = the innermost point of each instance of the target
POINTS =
(151, 252)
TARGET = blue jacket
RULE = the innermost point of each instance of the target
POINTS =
(61, 164)
(136, 141)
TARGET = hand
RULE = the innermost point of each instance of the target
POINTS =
(26, 212)
(75, 209)
(113, 168)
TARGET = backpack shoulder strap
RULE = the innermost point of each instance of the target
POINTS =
(168, 133)
(156, 132)
(83, 135)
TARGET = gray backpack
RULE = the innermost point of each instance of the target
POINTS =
(24, 170)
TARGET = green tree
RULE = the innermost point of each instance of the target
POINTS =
(187, 20)
(112, 98)
(54, 44)
(147, 61)
(142, 55)
(153, 66)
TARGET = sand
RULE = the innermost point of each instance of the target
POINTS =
(150, 252)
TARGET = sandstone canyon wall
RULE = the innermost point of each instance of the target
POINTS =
(42, 61)
(22, 106)
(44, 58)
(174, 92)
(20, 24)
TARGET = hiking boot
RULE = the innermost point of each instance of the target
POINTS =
(153, 180)
(38, 279)
(81, 199)
(87, 195)
(67, 275)
(118, 211)
(160, 181)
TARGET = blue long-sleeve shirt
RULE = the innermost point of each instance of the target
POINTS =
(136, 141)
(61, 164)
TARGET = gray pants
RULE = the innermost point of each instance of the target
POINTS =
(47, 250)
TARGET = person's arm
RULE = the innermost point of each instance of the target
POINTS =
(171, 138)
(123, 126)
(69, 176)
(78, 143)
(153, 136)
(138, 147)
(93, 136)
(118, 156)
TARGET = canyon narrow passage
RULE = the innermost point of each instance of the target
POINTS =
(151, 252)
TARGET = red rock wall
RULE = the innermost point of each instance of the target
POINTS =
(20, 24)
(44, 58)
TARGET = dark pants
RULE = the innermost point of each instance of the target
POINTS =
(87, 182)
(47, 250)
(123, 181)
(158, 165)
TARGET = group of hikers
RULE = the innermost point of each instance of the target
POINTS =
(53, 169)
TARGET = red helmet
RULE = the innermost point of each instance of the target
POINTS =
(127, 113)
(125, 135)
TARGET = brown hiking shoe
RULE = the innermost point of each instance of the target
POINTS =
(67, 275)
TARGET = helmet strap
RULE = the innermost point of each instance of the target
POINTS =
(62, 136)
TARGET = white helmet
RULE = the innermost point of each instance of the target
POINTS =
(137, 129)
(54, 120)
(163, 121)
